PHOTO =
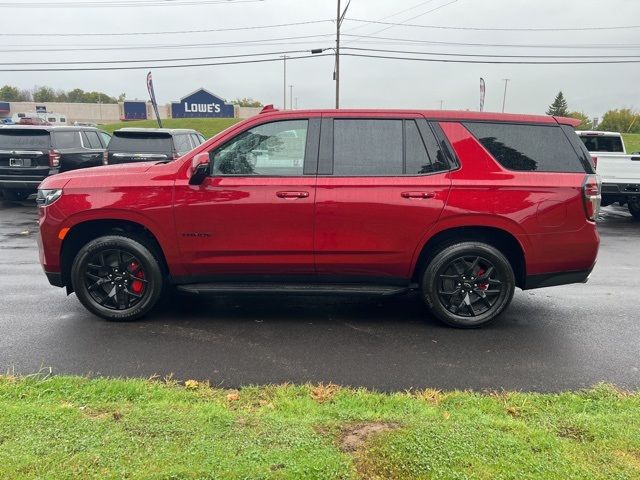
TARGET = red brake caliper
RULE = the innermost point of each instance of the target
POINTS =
(136, 286)
(482, 286)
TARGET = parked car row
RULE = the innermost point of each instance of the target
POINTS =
(29, 154)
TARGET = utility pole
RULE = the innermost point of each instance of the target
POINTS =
(441, 104)
(291, 96)
(339, 19)
(295, 103)
(284, 94)
(504, 97)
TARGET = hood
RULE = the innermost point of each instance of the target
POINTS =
(61, 179)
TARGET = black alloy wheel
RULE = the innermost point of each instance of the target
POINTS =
(468, 284)
(117, 277)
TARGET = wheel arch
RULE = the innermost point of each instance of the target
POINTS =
(499, 238)
(85, 231)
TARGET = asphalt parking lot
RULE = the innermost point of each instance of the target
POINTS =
(551, 339)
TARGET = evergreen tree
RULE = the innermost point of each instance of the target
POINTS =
(559, 107)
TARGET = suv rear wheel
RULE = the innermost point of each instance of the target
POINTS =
(117, 277)
(468, 284)
(634, 209)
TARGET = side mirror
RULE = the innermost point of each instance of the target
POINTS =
(199, 168)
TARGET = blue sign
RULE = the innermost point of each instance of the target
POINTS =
(135, 110)
(201, 104)
(4, 107)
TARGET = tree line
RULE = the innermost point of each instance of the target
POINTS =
(622, 120)
(10, 93)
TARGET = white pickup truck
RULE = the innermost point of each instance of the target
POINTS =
(619, 171)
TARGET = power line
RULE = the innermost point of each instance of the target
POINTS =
(514, 45)
(170, 32)
(153, 60)
(111, 4)
(488, 55)
(391, 24)
(509, 62)
(61, 48)
(442, 27)
(141, 67)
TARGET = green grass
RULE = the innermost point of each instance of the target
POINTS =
(69, 427)
(632, 142)
(207, 126)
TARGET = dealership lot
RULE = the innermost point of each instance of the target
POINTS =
(550, 339)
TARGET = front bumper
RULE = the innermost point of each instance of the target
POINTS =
(55, 278)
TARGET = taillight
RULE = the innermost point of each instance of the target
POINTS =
(105, 158)
(591, 193)
(54, 158)
(595, 162)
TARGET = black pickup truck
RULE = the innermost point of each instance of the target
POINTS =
(29, 154)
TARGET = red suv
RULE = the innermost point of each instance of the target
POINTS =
(461, 206)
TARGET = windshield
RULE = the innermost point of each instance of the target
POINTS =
(24, 139)
(602, 144)
(141, 144)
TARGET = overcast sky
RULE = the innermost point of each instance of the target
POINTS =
(365, 82)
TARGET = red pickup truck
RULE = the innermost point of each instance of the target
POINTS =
(460, 206)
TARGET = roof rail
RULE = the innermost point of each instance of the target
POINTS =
(268, 108)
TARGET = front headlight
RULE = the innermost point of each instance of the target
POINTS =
(47, 197)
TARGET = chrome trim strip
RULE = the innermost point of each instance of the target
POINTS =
(21, 152)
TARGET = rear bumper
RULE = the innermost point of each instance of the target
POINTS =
(620, 192)
(55, 278)
(557, 278)
(26, 181)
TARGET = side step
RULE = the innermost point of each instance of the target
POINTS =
(294, 288)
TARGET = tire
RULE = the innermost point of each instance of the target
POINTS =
(453, 289)
(634, 209)
(102, 263)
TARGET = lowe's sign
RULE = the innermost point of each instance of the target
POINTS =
(201, 103)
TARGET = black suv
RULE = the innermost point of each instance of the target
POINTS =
(148, 144)
(29, 154)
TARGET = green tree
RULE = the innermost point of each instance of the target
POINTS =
(122, 97)
(585, 122)
(13, 94)
(44, 94)
(559, 107)
(247, 102)
(622, 120)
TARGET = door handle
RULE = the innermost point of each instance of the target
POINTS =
(418, 195)
(292, 194)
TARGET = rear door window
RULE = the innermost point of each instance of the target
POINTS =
(67, 139)
(141, 143)
(522, 147)
(23, 139)
(367, 147)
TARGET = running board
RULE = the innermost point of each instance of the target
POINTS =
(294, 288)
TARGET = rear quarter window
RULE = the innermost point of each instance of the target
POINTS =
(532, 148)
(67, 139)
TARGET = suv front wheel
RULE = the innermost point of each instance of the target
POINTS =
(468, 284)
(117, 277)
